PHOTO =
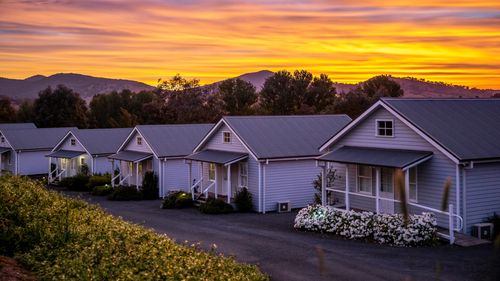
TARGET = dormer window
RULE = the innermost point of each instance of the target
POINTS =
(226, 136)
(139, 141)
(2, 139)
(73, 141)
(385, 128)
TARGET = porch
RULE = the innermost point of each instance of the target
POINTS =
(222, 174)
(132, 166)
(381, 181)
(67, 164)
(6, 166)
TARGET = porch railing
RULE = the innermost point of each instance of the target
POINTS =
(194, 186)
(58, 176)
(205, 191)
(114, 178)
(455, 221)
(122, 180)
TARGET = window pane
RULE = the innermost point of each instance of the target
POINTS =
(386, 180)
(388, 132)
(413, 191)
(365, 171)
(365, 184)
(413, 175)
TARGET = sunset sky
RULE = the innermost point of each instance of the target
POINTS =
(452, 41)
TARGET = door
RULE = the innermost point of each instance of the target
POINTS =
(387, 190)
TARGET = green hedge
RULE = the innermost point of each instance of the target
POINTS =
(178, 200)
(98, 180)
(216, 206)
(67, 239)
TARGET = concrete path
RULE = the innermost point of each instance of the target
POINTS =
(270, 242)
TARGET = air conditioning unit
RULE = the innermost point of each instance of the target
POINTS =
(284, 206)
(483, 231)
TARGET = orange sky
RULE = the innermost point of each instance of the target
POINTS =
(452, 41)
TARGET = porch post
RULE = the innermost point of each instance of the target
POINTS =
(377, 189)
(190, 176)
(137, 175)
(1, 164)
(129, 172)
(216, 183)
(323, 185)
(50, 168)
(407, 186)
(112, 172)
(347, 203)
(229, 184)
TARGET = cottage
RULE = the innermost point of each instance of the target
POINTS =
(428, 142)
(160, 149)
(272, 156)
(23, 150)
(87, 148)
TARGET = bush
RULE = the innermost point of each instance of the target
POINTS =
(125, 193)
(383, 228)
(215, 206)
(177, 199)
(98, 180)
(76, 183)
(495, 220)
(59, 238)
(150, 186)
(243, 200)
(102, 190)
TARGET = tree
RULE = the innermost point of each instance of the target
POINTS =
(381, 86)
(7, 111)
(354, 103)
(177, 83)
(276, 96)
(26, 112)
(300, 85)
(321, 93)
(60, 108)
(237, 96)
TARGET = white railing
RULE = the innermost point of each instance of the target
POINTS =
(114, 178)
(452, 225)
(60, 174)
(122, 180)
(193, 187)
(205, 191)
(50, 176)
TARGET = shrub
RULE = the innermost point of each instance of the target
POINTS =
(125, 193)
(150, 186)
(98, 180)
(243, 200)
(177, 199)
(215, 206)
(84, 169)
(495, 220)
(382, 228)
(59, 238)
(102, 190)
(76, 183)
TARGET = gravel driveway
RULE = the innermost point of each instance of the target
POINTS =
(286, 254)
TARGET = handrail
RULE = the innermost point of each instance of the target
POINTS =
(208, 188)
(193, 186)
(114, 178)
(122, 180)
(59, 175)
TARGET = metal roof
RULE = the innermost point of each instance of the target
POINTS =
(467, 128)
(35, 139)
(383, 157)
(217, 156)
(68, 154)
(16, 126)
(102, 141)
(130, 156)
(173, 140)
(286, 136)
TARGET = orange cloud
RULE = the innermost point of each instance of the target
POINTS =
(451, 41)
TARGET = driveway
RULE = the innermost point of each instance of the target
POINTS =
(270, 242)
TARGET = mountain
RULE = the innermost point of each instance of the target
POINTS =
(86, 86)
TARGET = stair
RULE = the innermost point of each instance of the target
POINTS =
(464, 240)
(201, 200)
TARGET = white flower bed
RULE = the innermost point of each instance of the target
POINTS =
(383, 228)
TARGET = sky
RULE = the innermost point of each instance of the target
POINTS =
(451, 41)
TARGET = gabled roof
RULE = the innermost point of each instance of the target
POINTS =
(16, 126)
(273, 137)
(467, 128)
(175, 140)
(101, 141)
(35, 139)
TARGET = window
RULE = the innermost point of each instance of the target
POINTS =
(82, 161)
(243, 174)
(413, 184)
(386, 180)
(211, 172)
(2, 139)
(226, 137)
(139, 141)
(73, 141)
(385, 128)
(364, 179)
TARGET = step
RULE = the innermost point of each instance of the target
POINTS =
(464, 240)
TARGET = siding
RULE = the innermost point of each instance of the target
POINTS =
(133, 146)
(103, 165)
(482, 192)
(216, 142)
(253, 181)
(290, 181)
(176, 175)
(432, 174)
(33, 163)
(66, 145)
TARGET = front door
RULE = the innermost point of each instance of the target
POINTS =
(387, 190)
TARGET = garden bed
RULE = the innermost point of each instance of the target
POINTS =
(61, 238)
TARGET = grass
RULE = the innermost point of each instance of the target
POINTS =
(59, 238)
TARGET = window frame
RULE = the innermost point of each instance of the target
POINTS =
(230, 138)
(415, 183)
(241, 175)
(377, 128)
(72, 141)
(211, 172)
(358, 180)
(2, 139)
(138, 140)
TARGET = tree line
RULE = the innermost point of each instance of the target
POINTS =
(181, 100)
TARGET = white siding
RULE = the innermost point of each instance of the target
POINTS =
(71, 166)
(102, 165)
(133, 146)
(483, 192)
(216, 142)
(431, 174)
(176, 175)
(66, 145)
(290, 181)
(33, 163)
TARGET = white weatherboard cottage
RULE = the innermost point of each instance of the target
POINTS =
(272, 156)
(89, 147)
(161, 149)
(429, 141)
(23, 150)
